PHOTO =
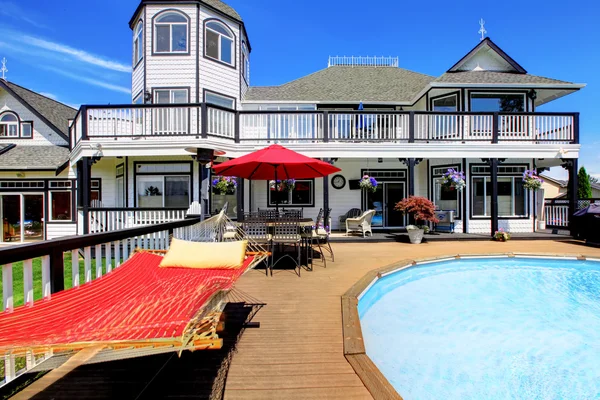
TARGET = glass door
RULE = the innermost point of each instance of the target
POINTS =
(22, 217)
(394, 192)
(10, 211)
(375, 202)
(33, 218)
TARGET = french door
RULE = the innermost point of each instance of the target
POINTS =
(383, 201)
(22, 217)
(171, 120)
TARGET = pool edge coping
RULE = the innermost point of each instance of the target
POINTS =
(354, 347)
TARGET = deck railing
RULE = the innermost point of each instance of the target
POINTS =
(557, 211)
(100, 254)
(207, 120)
(112, 219)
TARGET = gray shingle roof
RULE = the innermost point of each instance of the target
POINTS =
(224, 8)
(34, 157)
(347, 84)
(495, 77)
(56, 113)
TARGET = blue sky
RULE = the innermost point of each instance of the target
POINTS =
(80, 52)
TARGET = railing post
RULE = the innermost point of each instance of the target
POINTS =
(204, 120)
(325, 126)
(495, 121)
(411, 127)
(84, 122)
(494, 194)
(57, 271)
(576, 128)
(236, 132)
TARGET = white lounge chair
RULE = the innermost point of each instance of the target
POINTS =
(361, 224)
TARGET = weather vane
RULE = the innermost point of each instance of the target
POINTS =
(4, 70)
(482, 30)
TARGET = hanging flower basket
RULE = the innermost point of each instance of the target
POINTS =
(282, 185)
(454, 180)
(368, 183)
(531, 181)
(224, 185)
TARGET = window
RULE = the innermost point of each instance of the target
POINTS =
(171, 33)
(301, 195)
(219, 100)
(26, 129)
(498, 102)
(163, 185)
(120, 182)
(171, 96)
(446, 104)
(60, 206)
(245, 63)
(96, 190)
(171, 120)
(9, 125)
(445, 198)
(219, 42)
(138, 43)
(512, 198)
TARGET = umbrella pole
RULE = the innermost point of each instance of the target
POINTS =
(276, 190)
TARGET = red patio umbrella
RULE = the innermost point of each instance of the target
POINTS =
(275, 162)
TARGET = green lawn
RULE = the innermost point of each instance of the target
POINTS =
(17, 270)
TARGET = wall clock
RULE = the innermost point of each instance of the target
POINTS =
(338, 181)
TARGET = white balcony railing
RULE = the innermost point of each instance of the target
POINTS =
(114, 219)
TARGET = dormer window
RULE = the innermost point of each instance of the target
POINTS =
(171, 33)
(9, 125)
(219, 41)
(138, 43)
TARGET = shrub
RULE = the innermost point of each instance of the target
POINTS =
(421, 208)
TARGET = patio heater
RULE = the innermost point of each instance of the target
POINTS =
(205, 158)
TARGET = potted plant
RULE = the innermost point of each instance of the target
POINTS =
(454, 180)
(224, 185)
(501, 235)
(368, 184)
(422, 210)
(531, 181)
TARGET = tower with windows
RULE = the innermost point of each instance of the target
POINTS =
(189, 52)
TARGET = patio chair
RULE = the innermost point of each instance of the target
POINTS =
(257, 231)
(352, 213)
(324, 231)
(286, 232)
(361, 224)
(313, 238)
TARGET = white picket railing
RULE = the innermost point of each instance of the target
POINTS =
(557, 215)
(220, 122)
(116, 219)
(368, 127)
(282, 127)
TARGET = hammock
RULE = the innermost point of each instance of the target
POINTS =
(137, 305)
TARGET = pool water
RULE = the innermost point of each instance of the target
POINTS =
(496, 328)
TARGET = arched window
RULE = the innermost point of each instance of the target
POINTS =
(171, 33)
(9, 125)
(219, 42)
(138, 43)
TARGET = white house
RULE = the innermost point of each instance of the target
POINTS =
(191, 96)
(37, 185)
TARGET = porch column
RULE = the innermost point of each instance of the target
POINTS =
(494, 194)
(240, 198)
(204, 191)
(410, 163)
(572, 166)
(84, 174)
(326, 190)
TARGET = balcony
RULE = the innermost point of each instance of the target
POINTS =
(204, 121)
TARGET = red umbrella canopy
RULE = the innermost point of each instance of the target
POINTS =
(275, 161)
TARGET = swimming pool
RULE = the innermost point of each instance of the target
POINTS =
(487, 328)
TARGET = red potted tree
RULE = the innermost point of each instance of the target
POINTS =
(422, 210)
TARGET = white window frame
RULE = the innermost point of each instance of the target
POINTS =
(171, 94)
(486, 179)
(219, 96)
(8, 124)
(138, 43)
(50, 196)
(245, 63)
(171, 25)
(22, 134)
(219, 44)
(455, 95)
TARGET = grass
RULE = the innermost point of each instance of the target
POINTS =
(17, 270)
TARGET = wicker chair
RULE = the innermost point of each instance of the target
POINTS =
(361, 224)
(352, 213)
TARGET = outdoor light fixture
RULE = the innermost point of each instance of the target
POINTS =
(532, 94)
(147, 97)
(204, 156)
(380, 160)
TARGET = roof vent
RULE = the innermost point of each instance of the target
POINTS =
(362, 61)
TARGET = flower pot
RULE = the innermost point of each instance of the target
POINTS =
(415, 234)
(541, 225)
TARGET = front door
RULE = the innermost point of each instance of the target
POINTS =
(394, 192)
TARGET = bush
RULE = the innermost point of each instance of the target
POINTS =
(421, 208)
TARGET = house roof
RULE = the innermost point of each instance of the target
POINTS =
(224, 8)
(34, 158)
(347, 84)
(487, 44)
(559, 182)
(55, 114)
(495, 77)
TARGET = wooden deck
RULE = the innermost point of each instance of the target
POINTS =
(298, 353)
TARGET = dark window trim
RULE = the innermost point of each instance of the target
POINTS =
(138, 62)
(205, 91)
(234, 47)
(72, 189)
(404, 180)
(461, 195)
(455, 93)
(189, 35)
(312, 200)
(21, 130)
(471, 191)
(242, 66)
(99, 189)
(135, 175)
(501, 91)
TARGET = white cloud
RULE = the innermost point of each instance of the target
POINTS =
(13, 11)
(80, 55)
(90, 81)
